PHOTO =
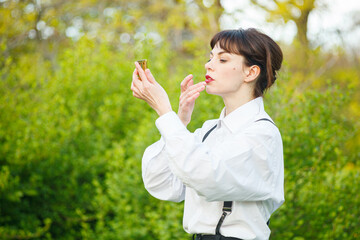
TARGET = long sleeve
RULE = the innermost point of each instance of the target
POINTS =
(157, 176)
(159, 181)
(244, 167)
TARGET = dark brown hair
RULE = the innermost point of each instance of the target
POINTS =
(257, 48)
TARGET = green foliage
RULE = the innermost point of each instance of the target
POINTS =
(72, 135)
(72, 138)
(320, 172)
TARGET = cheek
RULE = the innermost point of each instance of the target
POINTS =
(235, 76)
(233, 73)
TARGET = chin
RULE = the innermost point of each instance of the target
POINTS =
(211, 90)
(208, 90)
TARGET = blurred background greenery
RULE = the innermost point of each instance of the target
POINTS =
(72, 135)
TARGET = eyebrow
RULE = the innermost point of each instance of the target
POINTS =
(222, 52)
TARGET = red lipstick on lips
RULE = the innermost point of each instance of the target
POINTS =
(208, 79)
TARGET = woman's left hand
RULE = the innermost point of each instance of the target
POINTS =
(147, 89)
(189, 93)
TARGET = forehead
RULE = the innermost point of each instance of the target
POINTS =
(218, 50)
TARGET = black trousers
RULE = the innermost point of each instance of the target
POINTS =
(213, 237)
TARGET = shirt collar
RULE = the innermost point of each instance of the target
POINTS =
(242, 115)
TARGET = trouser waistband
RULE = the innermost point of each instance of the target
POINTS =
(213, 237)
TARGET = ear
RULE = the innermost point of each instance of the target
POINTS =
(252, 73)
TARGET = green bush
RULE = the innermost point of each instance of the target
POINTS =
(72, 137)
(320, 172)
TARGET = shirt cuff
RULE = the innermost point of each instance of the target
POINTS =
(168, 124)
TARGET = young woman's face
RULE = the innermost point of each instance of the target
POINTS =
(224, 72)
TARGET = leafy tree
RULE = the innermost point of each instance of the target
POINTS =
(290, 10)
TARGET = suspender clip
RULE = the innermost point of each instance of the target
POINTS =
(227, 209)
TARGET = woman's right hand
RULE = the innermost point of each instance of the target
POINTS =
(189, 93)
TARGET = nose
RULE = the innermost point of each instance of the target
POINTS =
(208, 65)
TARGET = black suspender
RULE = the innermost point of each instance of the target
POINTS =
(207, 134)
(265, 119)
(227, 207)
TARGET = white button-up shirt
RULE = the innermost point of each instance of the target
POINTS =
(241, 161)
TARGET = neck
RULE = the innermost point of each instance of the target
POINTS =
(235, 100)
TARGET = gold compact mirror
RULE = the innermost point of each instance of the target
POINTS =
(143, 63)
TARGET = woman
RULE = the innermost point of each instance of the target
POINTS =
(233, 164)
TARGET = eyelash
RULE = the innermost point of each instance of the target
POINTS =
(221, 60)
